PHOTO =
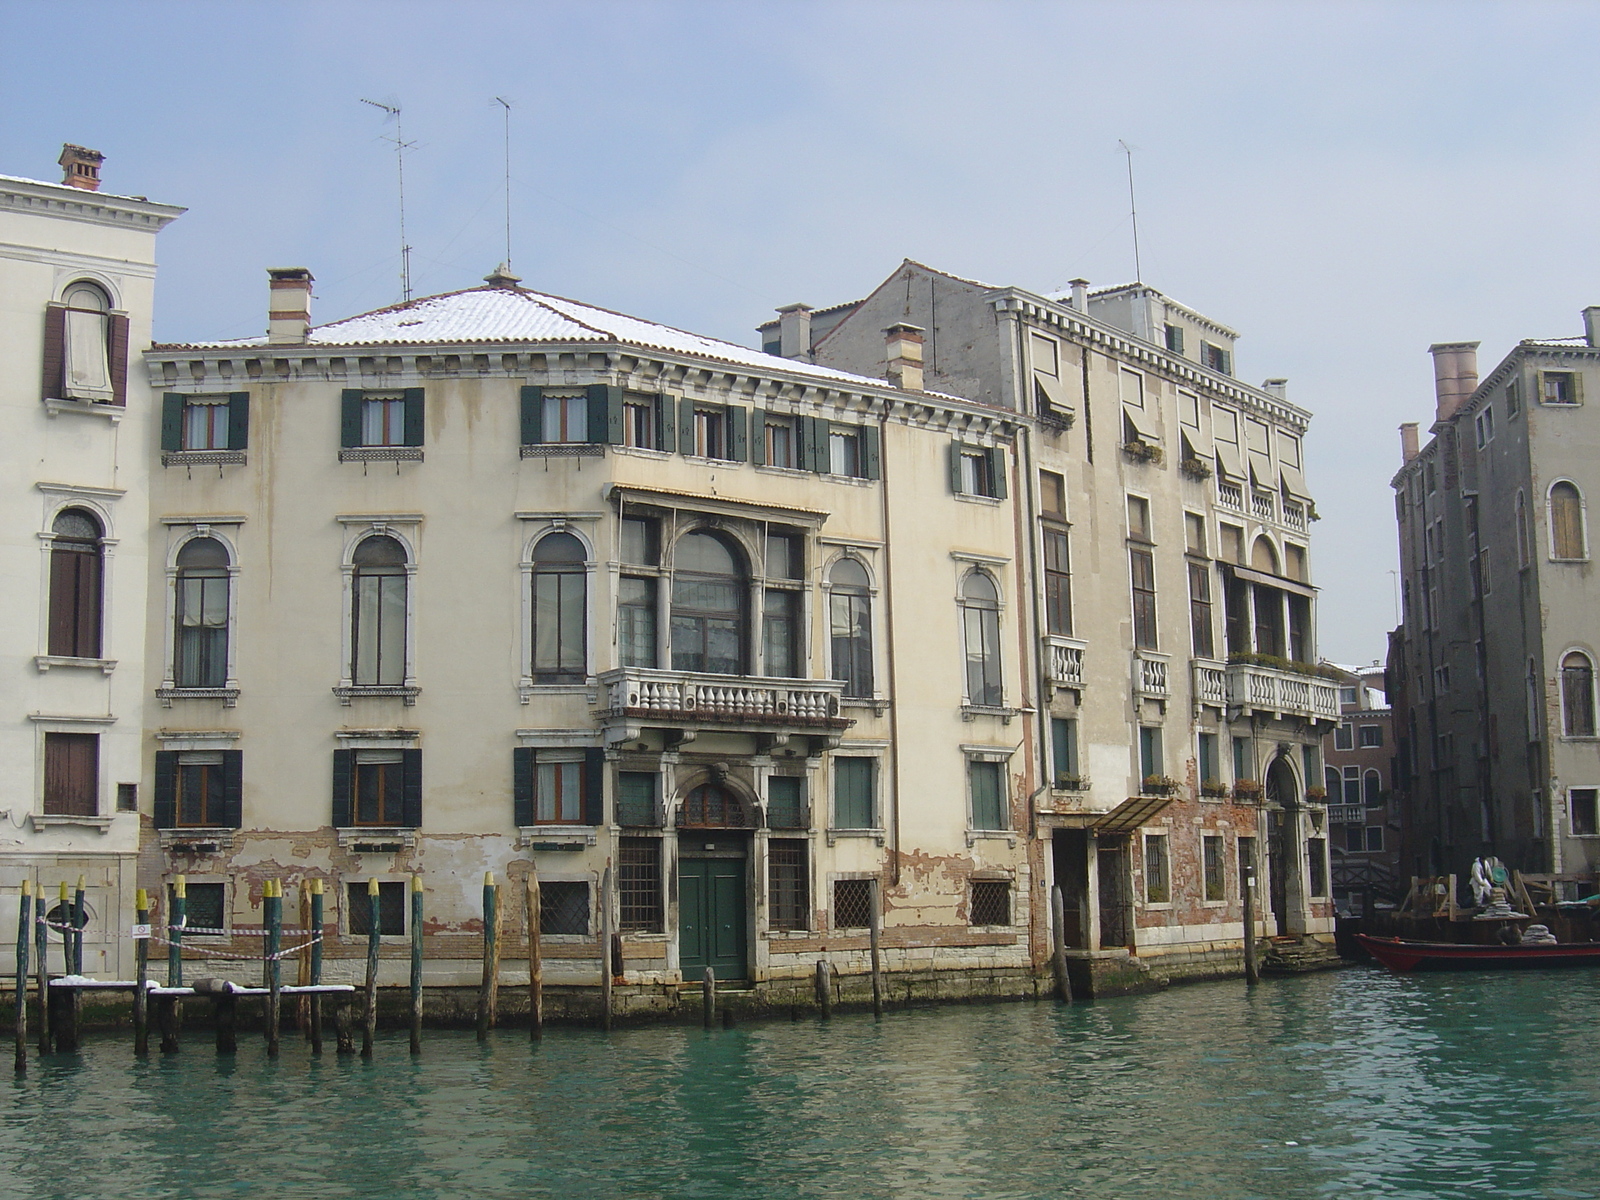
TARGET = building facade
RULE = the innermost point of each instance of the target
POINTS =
(1363, 806)
(1494, 663)
(1169, 626)
(77, 276)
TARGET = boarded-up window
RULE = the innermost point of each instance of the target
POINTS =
(1566, 522)
(72, 774)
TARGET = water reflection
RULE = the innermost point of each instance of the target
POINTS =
(1352, 1084)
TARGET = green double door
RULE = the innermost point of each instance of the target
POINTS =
(711, 917)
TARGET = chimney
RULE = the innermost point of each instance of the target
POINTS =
(288, 306)
(1591, 325)
(904, 356)
(1455, 376)
(1080, 294)
(1276, 387)
(1408, 441)
(501, 277)
(794, 331)
(80, 167)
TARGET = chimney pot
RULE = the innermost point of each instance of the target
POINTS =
(501, 277)
(903, 352)
(1591, 325)
(1455, 376)
(80, 167)
(1277, 387)
(1408, 441)
(1080, 294)
(794, 331)
(288, 305)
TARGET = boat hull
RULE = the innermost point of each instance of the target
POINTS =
(1400, 955)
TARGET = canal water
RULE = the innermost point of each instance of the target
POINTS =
(1350, 1084)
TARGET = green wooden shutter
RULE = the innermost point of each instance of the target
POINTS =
(871, 453)
(738, 418)
(997, 471)
(238, 420)
(233, 788)
(166, 797)
(604, 405)
(594, 781)
(532, 416)
(955, 467)
(172, 422)
(666, 422)
(758, 436)
(522, 782)
(685, 426)
(344, 762)
(804, 443)
(821, 451)
(411, 788)
(413, 416)
(350, 417)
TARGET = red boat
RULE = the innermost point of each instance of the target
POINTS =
(1400, 955)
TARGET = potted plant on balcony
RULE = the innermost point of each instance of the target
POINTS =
(1317, 795)
(1246, 789)
(1195, 468)
(1158, 785)
(1214, 788)
(1143, 452)
(1067, 782)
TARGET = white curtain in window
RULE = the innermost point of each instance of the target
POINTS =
(87, 352)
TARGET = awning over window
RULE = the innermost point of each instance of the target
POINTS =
(1142, 425)
(1293, 482)
(1247, 575)
(1197, 439)
(1228, 461)
(1054, 392)
(1132, 813)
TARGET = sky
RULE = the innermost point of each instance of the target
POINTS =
(1344, 184)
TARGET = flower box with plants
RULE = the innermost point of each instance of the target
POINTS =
(1195, 468)
(1072, 783)
(1144, 452)
(1246, 789)
(1158, 785)
(1273, 662)
(1317, 794)
(1213, 788)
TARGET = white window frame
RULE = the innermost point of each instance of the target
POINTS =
(535, 527)
(181, 535)
(404, 528)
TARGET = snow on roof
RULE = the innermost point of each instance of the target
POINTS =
(83, 193)
(513, 314)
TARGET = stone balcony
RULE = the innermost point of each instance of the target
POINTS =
(1210, 682)
(1150, 675)
(1063, 661)
(1252, 687)
(635, 696)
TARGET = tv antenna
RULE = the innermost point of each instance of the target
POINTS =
(1133, 210)
(400, 148)
(506, 104)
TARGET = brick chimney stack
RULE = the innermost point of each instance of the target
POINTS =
(794, 331)
(1455, 376)
(80, 167)
(1408, 441)
(288, 305)
(904, 355)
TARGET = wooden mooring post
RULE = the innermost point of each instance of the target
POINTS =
(63, 1000)
(168, 1010)
(80, 918)
(272, 915)
(874, 922)
(302, 958)
(416, 964)
(369, 1013)
(1058, 938)
(1252, 972)
(20, 1014)
(708, 998)
(141, 957)
(606, 965)
(535, 956)
(489, 988)
(41, 948)
(314, 928)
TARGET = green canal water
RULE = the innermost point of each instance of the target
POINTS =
(1356, 1083)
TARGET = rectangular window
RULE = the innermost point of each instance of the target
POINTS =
(636, 798)
(639, 885)
(1132, 386)
(1233, 544)
(781, 445)
(844, 453)
(991, 902)
(1064, 747)
(1484, 424)
(1152, 763)
(1057, 581)
(1215, 883)
(205, 423)
(1585, 813)
(564, 907)
(383, 419)
(566, 419)
(205, 907)
(1355, 839)
(1556, 387)
(1174, 337)
(1139, 518)
(640, 541)
(785, 557)
(358, 910)
(558, 792)
(1344, 736)
(1374, 839)
(853, 788)
(975, 474)
(852, 903)
(780, 633)
(788, 885)
(1157, 888)
(1352, 785)
(1513, 399)
(1052, 494)
(200, 789)
(1317, 854)
(710, 434)
(636, 621)
(1194, 533)
(127, 797)
(786, 802)
(1143, 569)
(1371, 736)
(1206, 758)
(1201, 635)
(1215, 358)
(986, 781)
(977, 471)
(1045, 357)
(1242, 767)
(72, 774)
(639, 423)
(378, 787)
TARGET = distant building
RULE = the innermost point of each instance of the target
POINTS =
(1363, 809)
(1494, 665)
(77, 272)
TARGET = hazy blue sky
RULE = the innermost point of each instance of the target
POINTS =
(1342, 183)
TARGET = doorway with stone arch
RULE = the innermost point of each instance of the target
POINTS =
(714, 824)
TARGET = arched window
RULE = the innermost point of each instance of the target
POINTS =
(713, 806)
(86, 343)
(980, 624)
(200, 643)
(1566, 522)
(708, 607)
(1577, 695)
(560, 609)
(850, 626)
(75, 591)
(1372, 789)
(1330, 779)
(1263, 557)
(378, 617)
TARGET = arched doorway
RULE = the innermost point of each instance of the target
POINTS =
(713, 890)
(1283, 823)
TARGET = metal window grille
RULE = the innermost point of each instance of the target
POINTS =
(391, 909)
(991, 902)
(785, 807)
(852, 903)
(1216, 886)
(203, 906)
(636, 798)
(639, 884)
(789, 897)
(564, 907)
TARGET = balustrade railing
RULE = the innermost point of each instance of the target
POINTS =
(1150, 674)
(1272, 690)
(635, 691)
(1210, 682)
(1230, 495)
(1263, 507)
(1064, 660)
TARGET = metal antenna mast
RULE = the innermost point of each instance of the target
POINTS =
(506, 104)
(1133, 209)
(400, 148)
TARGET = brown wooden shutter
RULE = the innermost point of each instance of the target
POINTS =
(117, 336)
(55, 351)
(63, 603)
(71, 774)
